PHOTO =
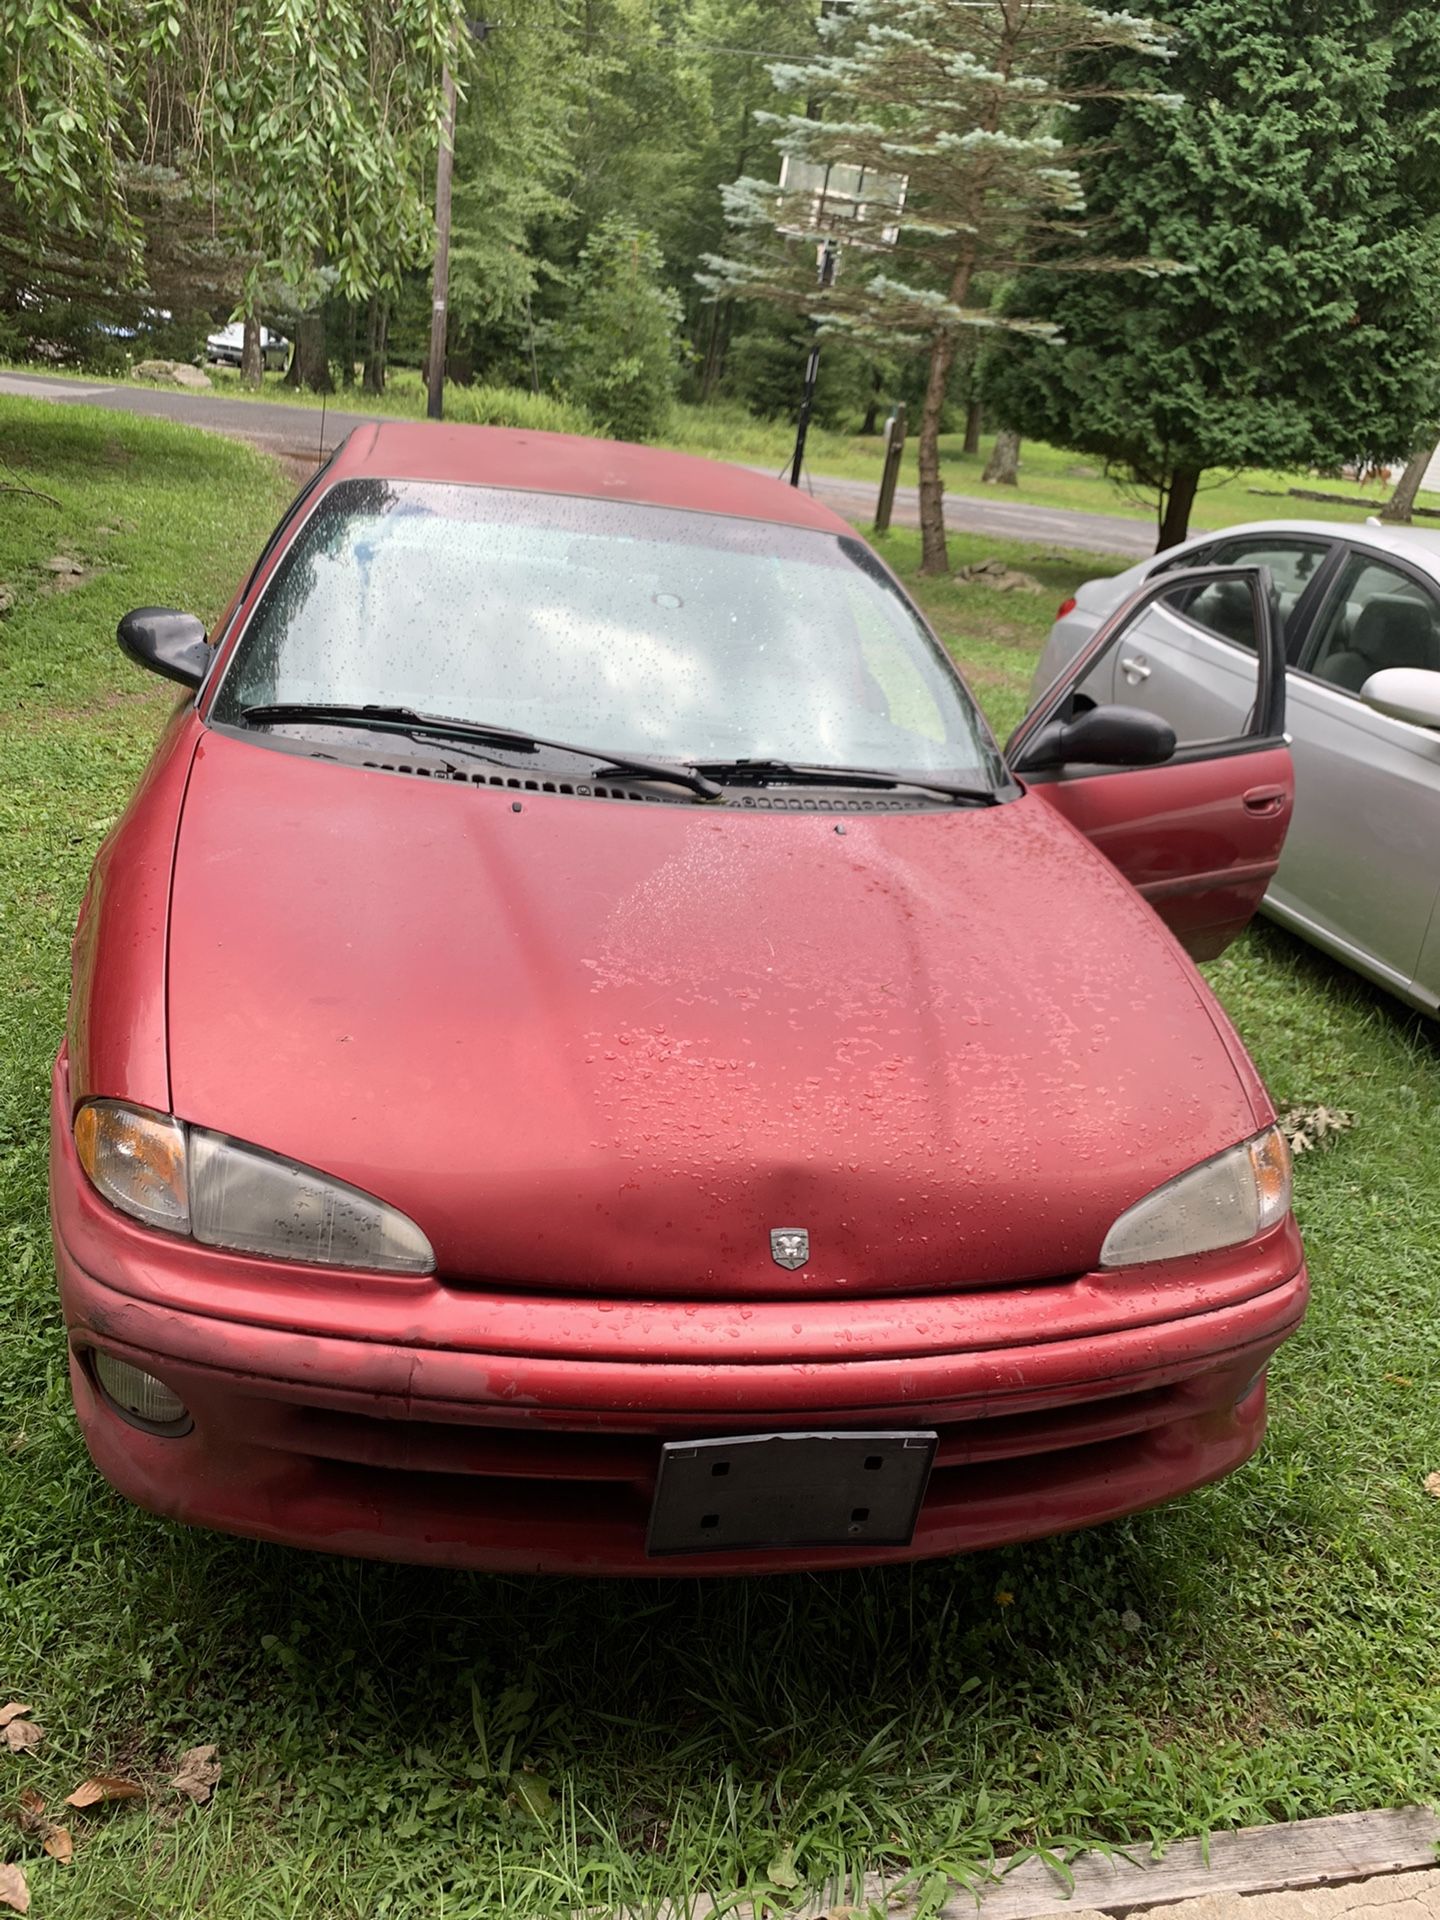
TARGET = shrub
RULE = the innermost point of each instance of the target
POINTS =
(618, 352)
(514, 407)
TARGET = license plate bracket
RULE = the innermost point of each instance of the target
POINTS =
(778, 1490)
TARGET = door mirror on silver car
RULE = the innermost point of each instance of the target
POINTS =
(1405, 693)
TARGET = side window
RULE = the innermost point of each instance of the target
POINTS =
(1379, 617)
(1223, 608)
(1208, 706)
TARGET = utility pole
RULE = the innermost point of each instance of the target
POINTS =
(444, 169)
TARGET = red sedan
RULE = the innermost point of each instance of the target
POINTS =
(585, 1056)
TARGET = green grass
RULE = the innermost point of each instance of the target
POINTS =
(1049, 476)
(1263, 1650)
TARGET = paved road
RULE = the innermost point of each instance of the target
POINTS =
(1001, 519)
(297, 431)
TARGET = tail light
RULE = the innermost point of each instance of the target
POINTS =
(1067, 606)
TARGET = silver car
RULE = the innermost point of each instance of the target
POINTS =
(227, 348)
(1360, 874)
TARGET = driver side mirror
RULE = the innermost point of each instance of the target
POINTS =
(1405, 693)
(1103, 737)
(166, 642)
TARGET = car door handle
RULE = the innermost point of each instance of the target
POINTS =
(1265, 800)
(1135, 670)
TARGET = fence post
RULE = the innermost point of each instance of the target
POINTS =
(894, 453)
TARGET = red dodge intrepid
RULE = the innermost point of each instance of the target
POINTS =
(585, 1056)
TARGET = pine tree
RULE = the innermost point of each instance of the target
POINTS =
(966, 103)
(1301, 187)
(619, 351)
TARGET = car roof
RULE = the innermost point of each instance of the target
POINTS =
(567, 463)
(1416, 543)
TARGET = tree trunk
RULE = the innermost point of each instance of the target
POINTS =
(347, 369)
(1399, 510)
(871, 423)
(376, 332)
(934, 553)
(310, 362)
(974, 427)
(1003, 467)
(252, 364)
(1176, 507)
(709, 363)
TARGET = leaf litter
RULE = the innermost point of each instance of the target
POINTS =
(102, 1789)
(1306, 1128)
(198, 1774)
(33, 1823)
(23, 1736)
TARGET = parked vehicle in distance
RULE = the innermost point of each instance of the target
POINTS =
(585, 1056)
(226, 348)
(1360, 610)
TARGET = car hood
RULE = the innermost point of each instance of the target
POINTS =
(610, 1045)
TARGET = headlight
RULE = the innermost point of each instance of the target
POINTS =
(137, 1161)
(226, 1194)
(1224, 1202)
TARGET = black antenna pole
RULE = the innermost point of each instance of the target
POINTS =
(320, 450)
(829, 260)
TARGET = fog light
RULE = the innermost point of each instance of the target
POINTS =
(139, 1396)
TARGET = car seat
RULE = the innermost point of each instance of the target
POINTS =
(1225, 607)
(1392, 631)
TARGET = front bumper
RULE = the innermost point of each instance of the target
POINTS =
(405, 1420)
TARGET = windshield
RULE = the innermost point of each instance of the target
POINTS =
(628, 629)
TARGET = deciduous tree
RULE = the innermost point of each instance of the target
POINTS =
(305, 133)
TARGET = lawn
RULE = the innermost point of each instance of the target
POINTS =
(403, 1745)
(1049, 476)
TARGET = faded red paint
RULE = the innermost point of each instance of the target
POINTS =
(597, 1050)
(1185, 836)
(595, 1045)
(417, 1420)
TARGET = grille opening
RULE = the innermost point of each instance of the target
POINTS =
(595, 1465)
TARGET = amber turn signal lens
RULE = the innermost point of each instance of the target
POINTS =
(136, 1160)
(1270, 1157)
(1239, 1195)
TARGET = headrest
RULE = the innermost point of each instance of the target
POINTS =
(1396, 631)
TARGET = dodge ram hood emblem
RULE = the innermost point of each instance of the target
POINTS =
(789, 1246)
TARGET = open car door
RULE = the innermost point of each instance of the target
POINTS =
(1196, 825)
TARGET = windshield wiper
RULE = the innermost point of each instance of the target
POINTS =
(419, 726)
(790, 770)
